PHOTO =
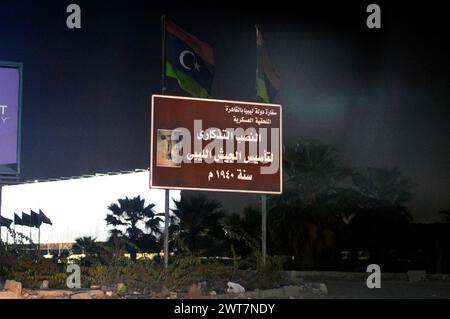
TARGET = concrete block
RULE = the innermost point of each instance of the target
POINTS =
(14, 286)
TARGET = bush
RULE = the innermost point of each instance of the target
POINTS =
(144, 275)
(32, 272)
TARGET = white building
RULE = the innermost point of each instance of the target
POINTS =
(77, 206)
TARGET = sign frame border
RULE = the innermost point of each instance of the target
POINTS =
(8, 176)
(213, 189)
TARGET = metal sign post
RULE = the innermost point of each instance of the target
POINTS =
(166, 230)
(264, 228)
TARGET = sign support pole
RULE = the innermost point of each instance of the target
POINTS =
(264, 228)
(167, 191)
(166, 230)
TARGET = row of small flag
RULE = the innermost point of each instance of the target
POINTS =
(190, 61)
(32, 220)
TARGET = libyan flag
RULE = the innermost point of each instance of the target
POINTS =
(189, 60)
(267, 80)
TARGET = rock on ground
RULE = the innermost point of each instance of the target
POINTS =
(14, 286)
(9, 295)
(93, 294)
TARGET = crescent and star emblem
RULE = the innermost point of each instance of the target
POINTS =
(183, 64)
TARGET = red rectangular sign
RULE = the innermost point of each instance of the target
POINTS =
(215, 145)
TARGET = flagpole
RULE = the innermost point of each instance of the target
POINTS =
(167, 191)
(39, 233)
(163, 56)
(263, 196)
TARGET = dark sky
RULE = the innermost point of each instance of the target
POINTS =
(381, 97)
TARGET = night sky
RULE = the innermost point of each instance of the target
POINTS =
(381, 97)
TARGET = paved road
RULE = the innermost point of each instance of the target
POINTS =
(389, 290)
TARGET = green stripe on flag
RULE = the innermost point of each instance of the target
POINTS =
(186, 82)
(261, 90)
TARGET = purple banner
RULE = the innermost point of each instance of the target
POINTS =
(9, 118)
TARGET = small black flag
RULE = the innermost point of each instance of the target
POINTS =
(17, 220)
(5, 222)
(44, 219)
(35, 222)
(26, 220)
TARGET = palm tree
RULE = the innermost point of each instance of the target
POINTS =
(384, 187)
(94, 252)
(446, 214)
(313, 170)
(128, 216)
(382, 230)
(199, 227)
(381, 220)
(86, 244)
(303, 220)
(242, 228)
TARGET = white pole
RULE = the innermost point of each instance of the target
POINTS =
(39, 234)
